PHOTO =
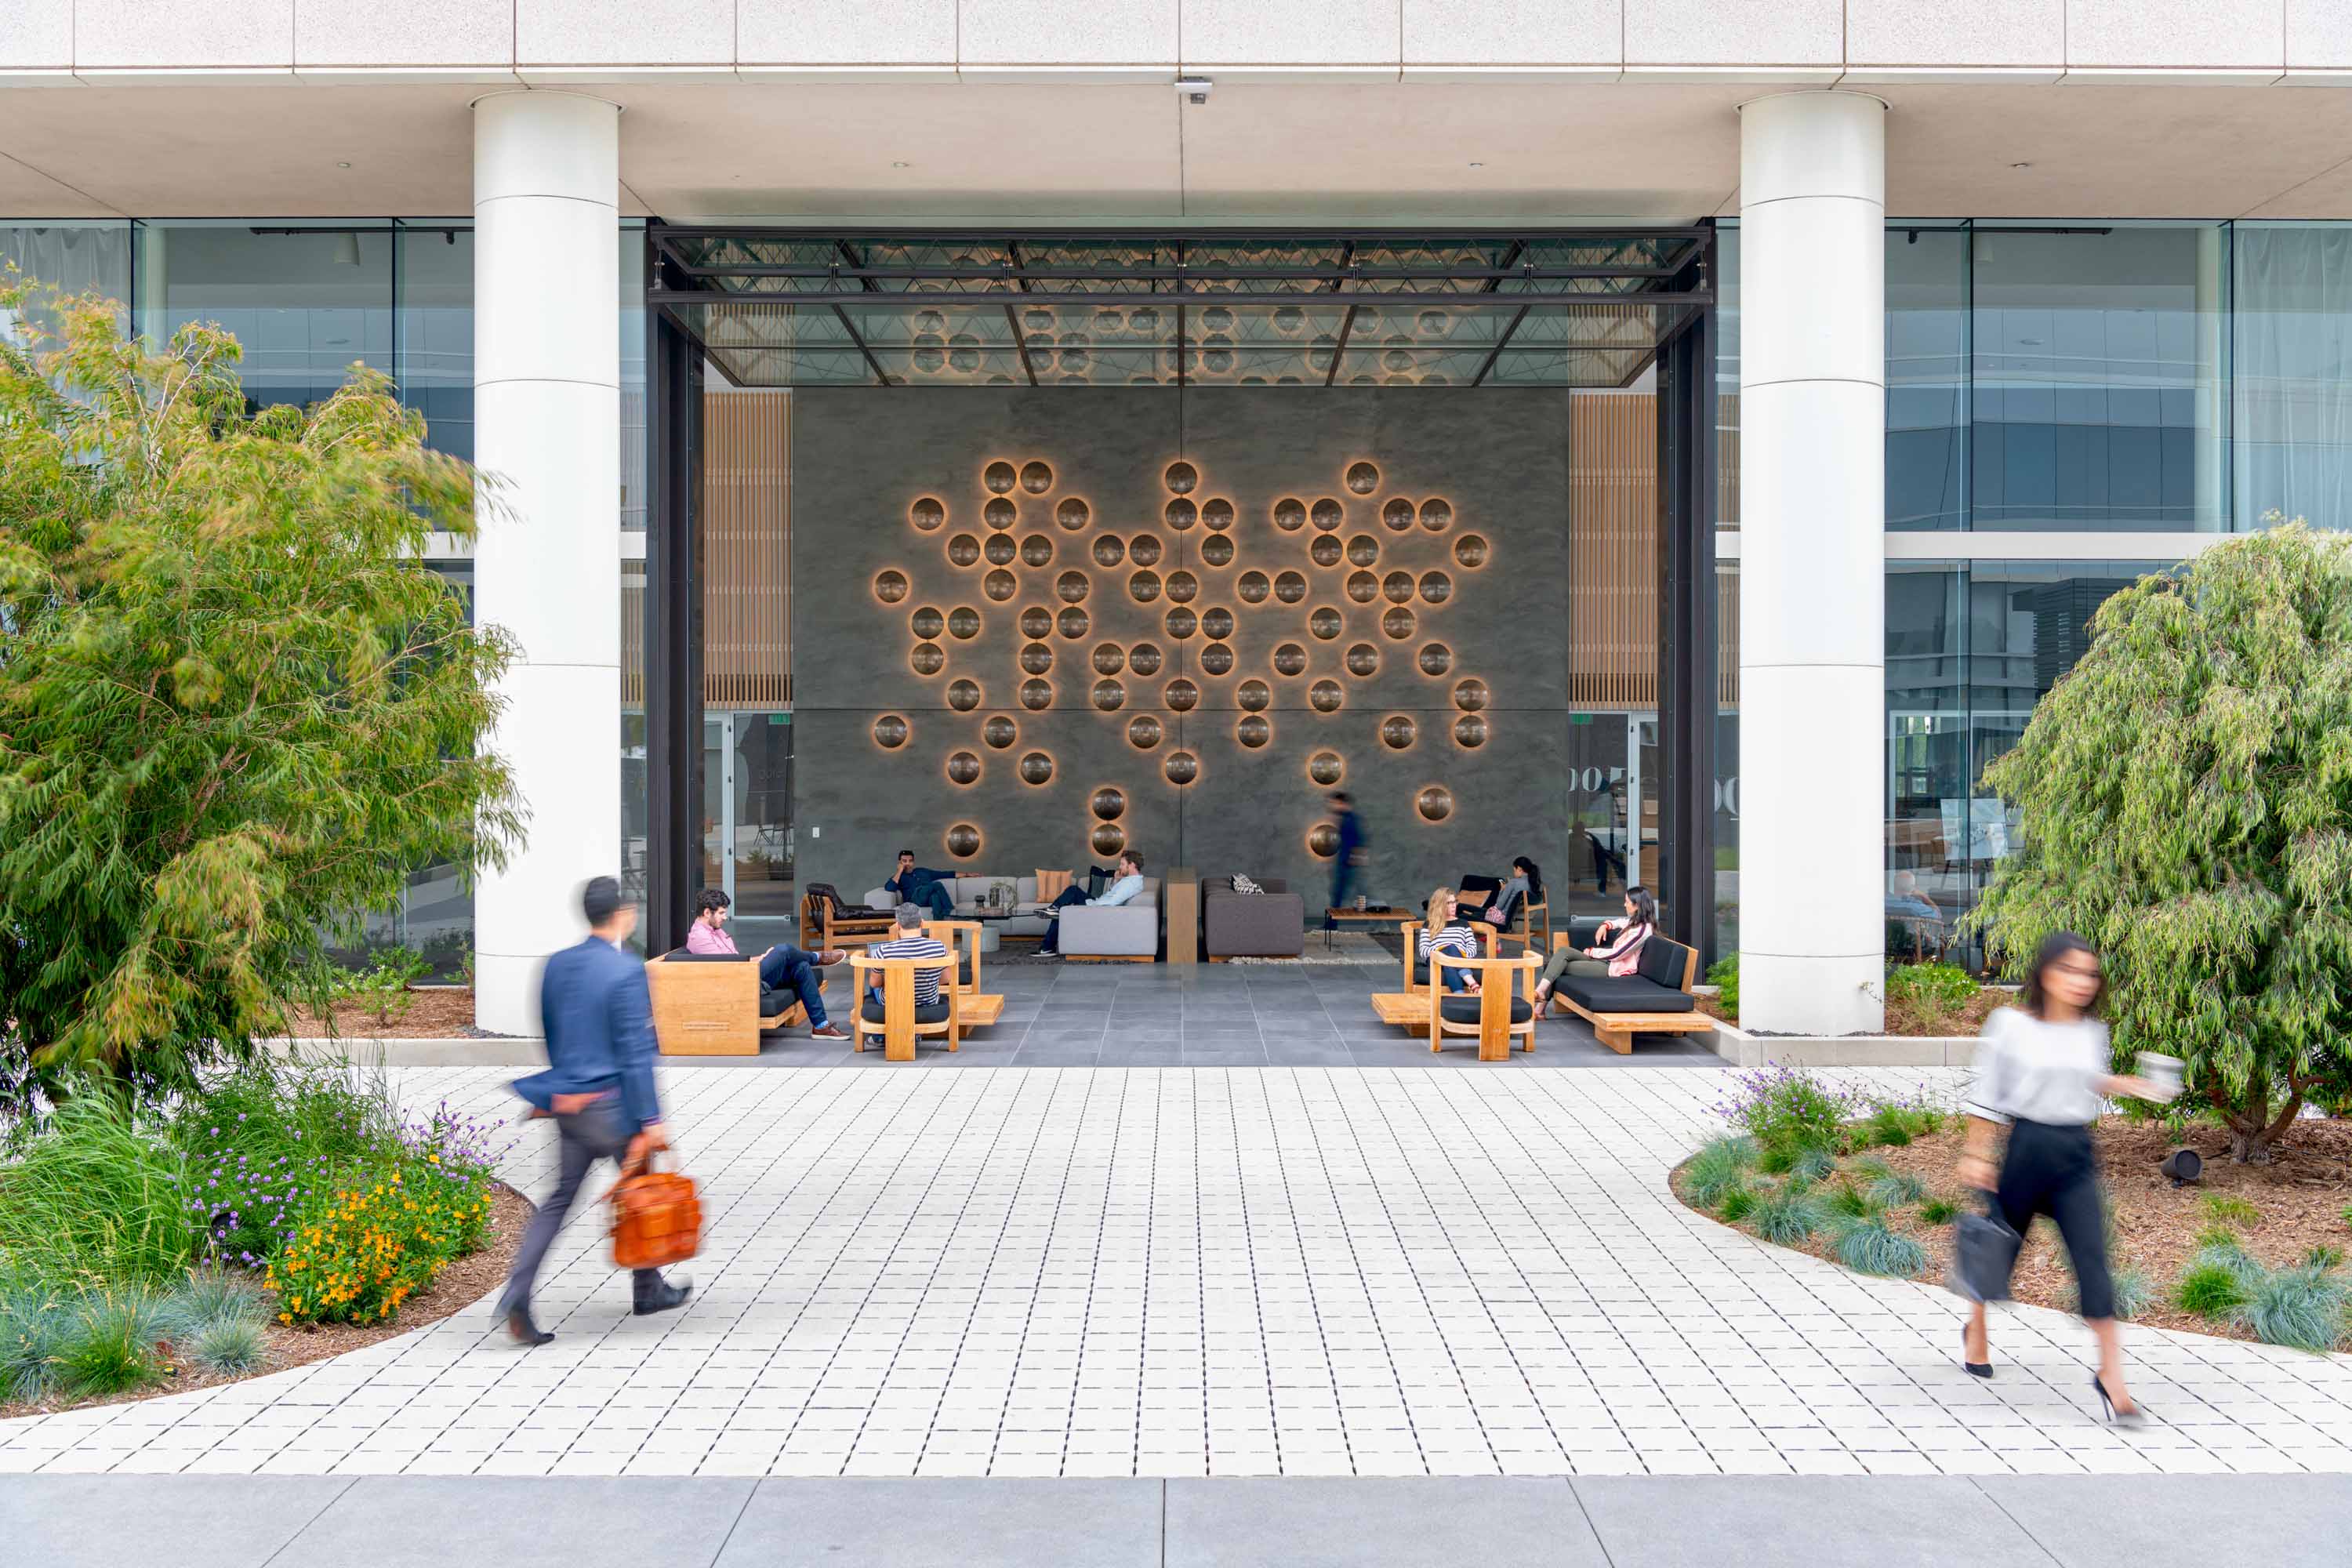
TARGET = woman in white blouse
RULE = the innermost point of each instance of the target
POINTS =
(2042, 1069)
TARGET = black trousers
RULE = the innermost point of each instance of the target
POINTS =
(2052, 1170)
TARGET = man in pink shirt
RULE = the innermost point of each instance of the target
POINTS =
(782, 966)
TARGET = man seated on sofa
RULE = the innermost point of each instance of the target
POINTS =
(919, 885)
(782, 967)
(1130, 883)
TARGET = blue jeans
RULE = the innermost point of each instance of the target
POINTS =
(1455, 979)
(787, 968)
(1343, 877)
(934, 897)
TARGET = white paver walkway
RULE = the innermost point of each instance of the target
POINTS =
(1195, 1271)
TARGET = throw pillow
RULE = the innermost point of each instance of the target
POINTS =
(1244, 885)
(1050, 885)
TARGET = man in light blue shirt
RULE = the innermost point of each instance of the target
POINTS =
(1130, 883)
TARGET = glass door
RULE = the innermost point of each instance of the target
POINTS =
(1603, 800)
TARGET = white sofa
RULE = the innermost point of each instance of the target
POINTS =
(1030, 915)
(1126, 931)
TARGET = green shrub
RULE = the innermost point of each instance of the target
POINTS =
(1928, 997)
(1717, 1168)
(206, 1299)
(230, 1346)
(1787, 1216)
(2209, 1290)
(1867, 1245)
(1737, 1203)
(262, 1137)
(1785, 1106)
(1774, 1160)
(1869, 1165)
(106, 1346)
(2134, 1290)
(1724, 975)
(93, 1197)
(1850, 1202)
(2227, 1209)
(382, 988)
(1889, 1126)
(32, 1324)
(1813, 1165)
(1894, 1191)
(2302, 1307)
(1939, 1211)
(2219, 1236)
(372, 1238)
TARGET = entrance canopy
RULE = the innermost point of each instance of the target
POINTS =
(1225, 308)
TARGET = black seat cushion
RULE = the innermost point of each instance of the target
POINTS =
(1463, 1009)
(1626, 994)
(682, 956)
(937, 1013)
(774, 1003)
(1421, 972)
(1663, 962)
(963, 975)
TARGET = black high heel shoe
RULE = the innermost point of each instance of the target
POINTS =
(1973, 1368)
(2132, 1417)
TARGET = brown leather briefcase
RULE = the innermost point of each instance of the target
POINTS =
(657, 1217)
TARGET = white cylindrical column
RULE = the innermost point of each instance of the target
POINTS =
(546, 565)
(1812, 609)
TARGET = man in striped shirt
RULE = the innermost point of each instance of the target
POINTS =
(910, 942)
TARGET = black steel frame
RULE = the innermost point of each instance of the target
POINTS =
(672, 626)
(1688, 673)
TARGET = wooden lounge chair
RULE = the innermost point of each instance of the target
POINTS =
(897, 1020)
(1496, 1013)
(1409, 1007)
(961, 938)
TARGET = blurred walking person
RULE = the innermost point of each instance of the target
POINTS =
(2042, 1071)
(599, 1087)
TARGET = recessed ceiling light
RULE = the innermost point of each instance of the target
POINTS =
(1475, 165)
(342, 165)
(898, 165)
(2020, 165)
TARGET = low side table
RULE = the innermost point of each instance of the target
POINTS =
(1337, 921)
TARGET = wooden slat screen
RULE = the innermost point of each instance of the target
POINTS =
(747, 550)
(1612, 560)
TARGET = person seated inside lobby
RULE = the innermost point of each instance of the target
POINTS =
(1129, 883)
(1616, 948)
(920, 885)
(1904, 900)
(782, 967)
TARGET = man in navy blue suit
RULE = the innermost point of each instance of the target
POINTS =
(599, 1087)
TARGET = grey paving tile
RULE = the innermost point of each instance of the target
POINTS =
(1057, 1057)
(1224, 1057)
(2133, 1521)
(1799, 1521)
(947, 1524)
(413, 1521)
(189, 1521)
(1406, 1522)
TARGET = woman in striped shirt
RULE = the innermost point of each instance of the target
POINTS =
(1446, 931)
(1617, 949)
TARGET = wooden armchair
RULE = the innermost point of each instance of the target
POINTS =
(712, 1009)
(832, 931)
(974, 1007)
(1412, 929)
(1532, 916)
(1494, 1014)
(900, 1020)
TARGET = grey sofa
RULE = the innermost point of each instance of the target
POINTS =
(1272, 924)
(1130, 929)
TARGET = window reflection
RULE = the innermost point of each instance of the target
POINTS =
(305, 300)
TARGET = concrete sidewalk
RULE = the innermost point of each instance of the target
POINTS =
(2078, 1521)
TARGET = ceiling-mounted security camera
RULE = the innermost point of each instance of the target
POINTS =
(1195, 89)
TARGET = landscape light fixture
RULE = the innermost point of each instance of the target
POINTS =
(1195, 89)
(2183, 1166)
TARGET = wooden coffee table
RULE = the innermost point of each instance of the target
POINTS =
(1337, 920)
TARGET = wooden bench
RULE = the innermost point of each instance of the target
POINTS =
(1616, 1030)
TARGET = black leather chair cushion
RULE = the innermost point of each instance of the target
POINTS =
(1421, 972)
(1662, 961)
(682, 956)
(937, 1013)
(1464, 1009)
(963, 975)
(1628, 994)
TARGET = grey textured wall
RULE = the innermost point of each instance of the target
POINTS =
(862, 459)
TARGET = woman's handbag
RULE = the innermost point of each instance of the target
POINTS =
(1984, 1257)
(657, 1217)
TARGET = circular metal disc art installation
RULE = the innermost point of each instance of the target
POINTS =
(1324, 623)
(1037, 550)
(1071, 587)
(999, 731)
(1037, 657)
(1000, 477)
(1290, 659)
(1397, 732)
(1327, 514)
(1144, 659)
(1073, 513)
(1144, 550)
(963, 624)
(1181, 623)
(1322, 841)
(1327, 696)
(1326, 768)
(1217, 623)
(1470, 552)
(1217, 513)
(891, 586)
(1255, 696)
(1180, 768)
(1290, 514)
(1071, 623)
(1436, 515)
(1108, 838)
(1363, 549)
(963, 550)
(1109, 696)
(1180, 514)
(1036, 478)
(1036, 768)
(1109, 550)
(963, 696)
(1000, 585)
(1143, 731)
(1435, 659)
(927, 513)
(1110, 659)
(1217, 658)
(1435, 803)
(1000, 549)
(1254, 588)
(963, 768)
(1470, 730)
(1436, 587)
(927, 623)
(890, 731)
(1290, 587)
(1180, 477)
(1471, 695)
(1398, 513)
(1253, 731)
(1036, 621)
(1143, 586)
(927, 658)
(1036, 695)
(1398, 586)
(1363, 658)
(963, 840)
(1363, 479)
(1217, 550)
(1107, 803)
(1364, 588)
(1183, 587)
(1181, 695)
(1324, 551)
(1000, 514)
(1398, 624)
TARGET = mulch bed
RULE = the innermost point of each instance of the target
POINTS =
(1909, 1025)
(2301, 1194)
(438, 1014)
(456, 1287)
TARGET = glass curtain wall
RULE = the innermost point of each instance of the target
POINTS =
(75, 257)
(2291, 330)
